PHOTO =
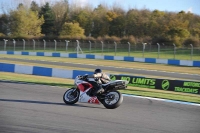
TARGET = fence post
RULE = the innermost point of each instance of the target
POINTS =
(101, 48)
(44, 44)
(174, 50)
(23, 44)
(192, 49)
(66, 44)
(33, 44)
(164, 46)
(14, 42)
(55, 44)
(143, 49)
(158, 50)
(78, 47)
(129, 48)
(90, 46)
(115, 48)
(5, 41)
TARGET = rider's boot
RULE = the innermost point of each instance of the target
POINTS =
(101, 90)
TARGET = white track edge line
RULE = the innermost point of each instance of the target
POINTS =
(164, 100)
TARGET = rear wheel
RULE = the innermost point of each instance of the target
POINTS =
(112, 100)
(71, 96)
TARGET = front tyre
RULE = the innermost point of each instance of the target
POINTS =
(112, 100)
(71, 96)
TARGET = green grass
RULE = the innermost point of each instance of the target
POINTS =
(123, 64)
(181, 54)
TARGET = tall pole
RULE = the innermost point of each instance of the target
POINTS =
(23, 44)
(90, 46)
(174, 50)
(14, 42)
(44, 44)
(55, 44)
(77, 47)
(66, 44)
(192, 49)
(5, 41)
(33, 44)
(115, 48)
(101, 47)
(129, 48)
(143, 49)
(158, 50)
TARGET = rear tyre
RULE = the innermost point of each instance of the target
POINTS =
(71, 96)
(112, 100)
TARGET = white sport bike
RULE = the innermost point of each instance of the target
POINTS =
(83, 92)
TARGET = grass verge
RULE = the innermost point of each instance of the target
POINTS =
(67, 83)
(123, 64)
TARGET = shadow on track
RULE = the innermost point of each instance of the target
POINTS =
(47, 103)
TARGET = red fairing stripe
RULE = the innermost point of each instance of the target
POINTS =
(81, 87)
(84, 86)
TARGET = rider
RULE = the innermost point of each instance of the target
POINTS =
(100, 78)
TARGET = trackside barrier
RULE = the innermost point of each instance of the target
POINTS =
(152, 83)
(161, 84)
(106, 57)
(41, 71)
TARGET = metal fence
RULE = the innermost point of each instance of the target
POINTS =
(146, 50)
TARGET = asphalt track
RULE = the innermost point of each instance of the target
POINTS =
(29, 108)
(173, 75)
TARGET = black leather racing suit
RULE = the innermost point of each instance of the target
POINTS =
(100, 78)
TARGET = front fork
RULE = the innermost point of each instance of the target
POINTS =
(74, 92)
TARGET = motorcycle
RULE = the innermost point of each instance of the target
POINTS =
(111, 98)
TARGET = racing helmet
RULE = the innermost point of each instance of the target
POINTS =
(97, 71)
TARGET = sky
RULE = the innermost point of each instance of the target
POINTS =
(161, 5)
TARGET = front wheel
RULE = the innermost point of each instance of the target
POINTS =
(71, 96)
(112, 100)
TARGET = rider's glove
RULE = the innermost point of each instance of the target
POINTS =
(85, 77)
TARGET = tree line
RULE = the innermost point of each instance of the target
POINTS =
(64, 21)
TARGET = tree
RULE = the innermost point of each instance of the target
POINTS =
(49, 20)
(132, 23)
(156, 24)
(60, 11)
(35, 6)
(25, 22)
(100, 23)
(84, 18)
(4, 24)
(117, 26)
(72, 30)
(177, 29)
(110, 15)
(2, 35)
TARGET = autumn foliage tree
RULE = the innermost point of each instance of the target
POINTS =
(24, 22)
(72, 30)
